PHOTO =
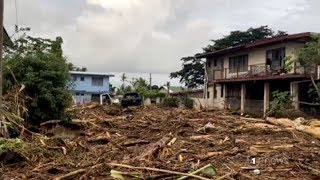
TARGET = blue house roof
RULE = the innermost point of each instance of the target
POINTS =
(90, 73)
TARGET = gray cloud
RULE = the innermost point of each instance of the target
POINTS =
(151, 36)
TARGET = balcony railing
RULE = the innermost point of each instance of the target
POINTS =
(255, 70)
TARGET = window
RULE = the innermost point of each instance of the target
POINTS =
(209, 63)
(238, 64)
(77, 94)
(82, 78)
(97, 81)
(208, 95)
(82, 94)
(215, 62)
(274, 57)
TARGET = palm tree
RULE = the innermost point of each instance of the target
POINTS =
(123, 79)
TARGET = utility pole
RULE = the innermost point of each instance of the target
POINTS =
(1, 49)
(150, 81)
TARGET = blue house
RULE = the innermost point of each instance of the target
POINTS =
(87, 86)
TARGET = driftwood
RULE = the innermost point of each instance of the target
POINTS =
(200, 137)
(311, 130)
(158, 170)
(256, 149)
(77, 172)
(132, 143)
(196, 171)
(99, 139)
(208, 155)
(150, 151)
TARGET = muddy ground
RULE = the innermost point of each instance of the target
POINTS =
(168, 139)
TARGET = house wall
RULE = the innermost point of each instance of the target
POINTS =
(255, 56)
(87, 86)
(82, 98)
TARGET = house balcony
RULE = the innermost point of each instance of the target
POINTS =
(258, 72)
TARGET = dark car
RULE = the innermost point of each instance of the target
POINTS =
(131, 99)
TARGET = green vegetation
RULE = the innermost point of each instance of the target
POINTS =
(309, 58)
(40, 66)
(281, 101)
(141, 86)
(171, 102)
(11, 145)
(187, 102)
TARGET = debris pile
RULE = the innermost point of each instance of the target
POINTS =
(166, 143)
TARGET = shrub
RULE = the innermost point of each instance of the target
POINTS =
(171, 102)
(187, 102)
(280, 102)
(40, 66)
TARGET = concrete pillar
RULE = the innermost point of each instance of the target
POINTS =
(243, 98)
(266, 98)
(295, 95)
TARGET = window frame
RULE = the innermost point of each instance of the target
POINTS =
(95, 82)
(239, 63)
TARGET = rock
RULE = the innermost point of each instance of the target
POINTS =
(256, 172)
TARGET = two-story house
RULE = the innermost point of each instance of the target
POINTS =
(87, 86)
(243, 77)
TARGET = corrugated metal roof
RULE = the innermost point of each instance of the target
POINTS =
(91, 73)
(258, 43)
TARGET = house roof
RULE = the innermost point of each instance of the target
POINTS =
(91, 73)
(192, 91)
(173, 88)
(259, 43)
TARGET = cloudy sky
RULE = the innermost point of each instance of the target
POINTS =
(150, 36)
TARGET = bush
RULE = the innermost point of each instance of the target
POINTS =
(39, 65)
(290, 114)
(171, 102)
(280, 102)
(187, 102)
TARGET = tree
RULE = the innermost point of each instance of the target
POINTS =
(192, 72)
(123, 78)
(72, 67)
(39, 64)
(309, 58)
(236, 38)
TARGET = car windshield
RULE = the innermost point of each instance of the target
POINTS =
(131, 95)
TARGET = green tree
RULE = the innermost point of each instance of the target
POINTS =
(192, 72)
(39, 64)
(72, 67)
(309, 58)
(123, 79)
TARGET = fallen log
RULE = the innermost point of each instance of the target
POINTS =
(311, 130)
(150, 151)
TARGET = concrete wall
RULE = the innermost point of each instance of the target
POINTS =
(82, 98)
(87, 86)
(198, 103)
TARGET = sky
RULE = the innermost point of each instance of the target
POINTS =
(151, 36)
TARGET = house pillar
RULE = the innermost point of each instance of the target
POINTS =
(243, 98)
(266, 98)
(295, 95)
